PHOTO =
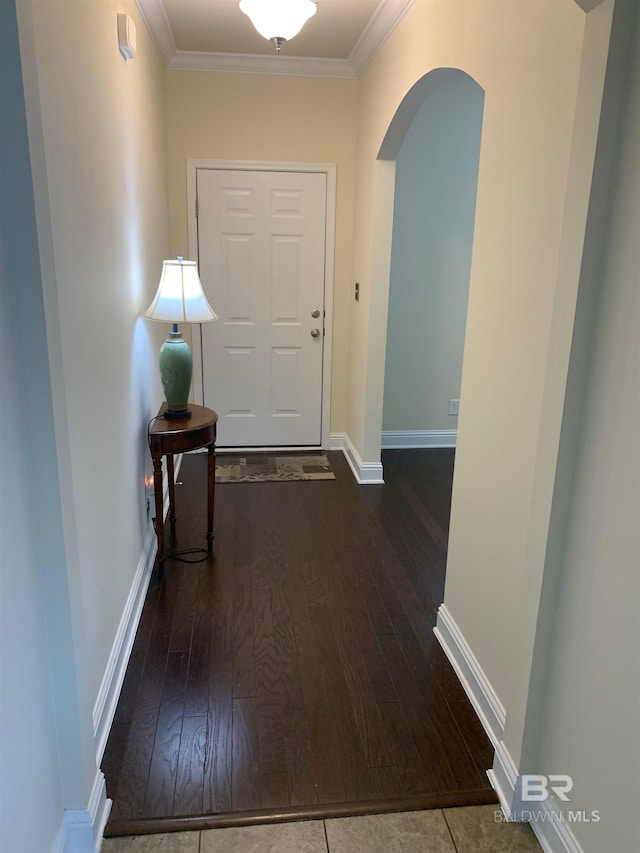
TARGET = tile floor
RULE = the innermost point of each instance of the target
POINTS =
(471, 829)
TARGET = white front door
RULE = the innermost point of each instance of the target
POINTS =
(261, 253)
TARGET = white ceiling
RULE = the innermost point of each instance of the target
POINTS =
(339, 41)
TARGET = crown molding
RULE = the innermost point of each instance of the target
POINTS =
(588, 5)
(384, 20)
(382, 23)
(157, 24)
(255, 63)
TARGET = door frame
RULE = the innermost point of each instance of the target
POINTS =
(329, 169)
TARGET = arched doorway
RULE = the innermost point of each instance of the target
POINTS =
(437, 156)
(383, 216)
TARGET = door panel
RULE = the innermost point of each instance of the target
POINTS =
(261, 250)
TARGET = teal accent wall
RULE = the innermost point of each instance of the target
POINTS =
(435, 199)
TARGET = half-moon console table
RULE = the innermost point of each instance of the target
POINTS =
(167, 437)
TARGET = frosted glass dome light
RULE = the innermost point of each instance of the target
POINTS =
(278, 20)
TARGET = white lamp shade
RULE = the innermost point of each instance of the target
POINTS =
(278, 18)
(180, 298)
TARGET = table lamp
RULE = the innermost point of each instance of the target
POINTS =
(179, 299)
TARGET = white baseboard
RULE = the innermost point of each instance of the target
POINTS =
(109, 692)
(504, 778)
(337, 440)
(366, 473)
(472, 677)
(553, 833)
(545, 819)
(414, 439)
(503, 775)
(81, 830)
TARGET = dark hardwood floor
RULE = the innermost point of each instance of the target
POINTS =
(296, 673)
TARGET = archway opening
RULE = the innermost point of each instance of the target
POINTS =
(435, 141)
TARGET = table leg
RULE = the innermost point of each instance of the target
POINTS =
(157, 490)
(211, 488)
(172, 492)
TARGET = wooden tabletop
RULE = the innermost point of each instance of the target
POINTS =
(201, 417)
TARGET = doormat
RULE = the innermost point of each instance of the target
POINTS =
(272, 468)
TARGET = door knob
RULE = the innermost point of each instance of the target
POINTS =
(315, 313)
(315, 333)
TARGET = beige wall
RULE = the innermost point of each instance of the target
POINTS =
(532, 60)
(221, 116)
(97, 144)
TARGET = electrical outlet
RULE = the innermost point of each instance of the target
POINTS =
(454, 407)
(150, 496)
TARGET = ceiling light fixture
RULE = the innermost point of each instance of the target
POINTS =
(278, 20)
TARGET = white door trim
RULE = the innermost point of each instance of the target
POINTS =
(329, 169)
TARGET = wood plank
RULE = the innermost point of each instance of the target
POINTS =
(131, 784)
(183, 607)
(301, 773)
(114, 756)
(219, 756)
(353, 766)
(274, 790)
(189, 787)
(324, 747)
(244, 673)
(166, 746)
(276, 596)
(245, 774)
(196, 695)
(407, 774)
(364, 708)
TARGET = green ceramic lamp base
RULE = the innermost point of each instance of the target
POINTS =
(176, 365)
